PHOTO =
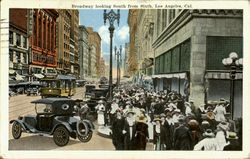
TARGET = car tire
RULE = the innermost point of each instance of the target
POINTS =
(16, 130)
(86, 138)
(61, 136)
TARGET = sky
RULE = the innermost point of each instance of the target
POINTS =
(94, 18)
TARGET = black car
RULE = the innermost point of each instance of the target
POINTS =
(55, 116)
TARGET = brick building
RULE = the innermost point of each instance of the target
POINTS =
(43, 41)
(67, 40)
(18, 43)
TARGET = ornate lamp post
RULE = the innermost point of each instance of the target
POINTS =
(118, 58)
(233, 62)
(111, 16)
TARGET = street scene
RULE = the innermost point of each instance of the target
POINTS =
(137, 79)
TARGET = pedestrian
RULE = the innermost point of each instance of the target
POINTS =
(129, 131)
(188, 110)
(182, 137)
(159, 139)
(141, 132)
(220, 112)
(100, 111)
(117, 127)
(233, 143)
(221, 135)
(208, 143)
(194, 127)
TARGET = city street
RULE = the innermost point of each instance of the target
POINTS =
(20, 105)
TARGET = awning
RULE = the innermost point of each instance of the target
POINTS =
(39, 76)
(222, 75)
(182, 75)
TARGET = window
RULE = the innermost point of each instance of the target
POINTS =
(10, 55)
(11, 37)
(18, 59)
(24, 58)
(18, 39)
(24, 42)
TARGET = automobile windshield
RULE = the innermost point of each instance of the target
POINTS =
(43, 108)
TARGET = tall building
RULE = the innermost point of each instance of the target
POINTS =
(94, 41)
(43, 41)
(18, 44)
(144, 40)
(132, 22)
(67, 40)
(102, 67)
(83, 51)
(189, 46)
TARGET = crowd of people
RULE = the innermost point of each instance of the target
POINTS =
(138, 116)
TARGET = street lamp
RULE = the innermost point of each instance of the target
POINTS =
(233, 62)
(118, 58)
(111, 16)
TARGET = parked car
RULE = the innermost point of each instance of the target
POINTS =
(54, 116)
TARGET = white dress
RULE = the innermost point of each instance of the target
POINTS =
(114, 107)
(220, 112)
(209, 144)
(100, 112)
(221, 140)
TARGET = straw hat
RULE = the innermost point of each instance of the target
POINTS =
(157, 118)
(187, 104)
(141, 118)
(142, 110)
(162, 115)
(100, 102)
(130, 111)
(176, 111)
(208, 133)
(231, 135)
(223, 126)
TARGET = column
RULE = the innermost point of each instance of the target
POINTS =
(42, 18)
(37, 27)
(197, 68)
(46, 30)
(50, 35)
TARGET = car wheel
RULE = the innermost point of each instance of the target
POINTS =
(16, 130)
(61, 136)
(86, 138)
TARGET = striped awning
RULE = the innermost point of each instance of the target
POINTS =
(173, 75)
(222, 75)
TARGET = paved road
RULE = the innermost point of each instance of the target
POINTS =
(20, 105)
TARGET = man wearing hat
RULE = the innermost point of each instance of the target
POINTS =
(141, 132)
(233, 143)
(182, 137)
(208, 143)
(129, 131)
(117, 127)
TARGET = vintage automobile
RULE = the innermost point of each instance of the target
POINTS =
(57, 117)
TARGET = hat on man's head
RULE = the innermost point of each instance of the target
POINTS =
(231, 135)
(208, 133)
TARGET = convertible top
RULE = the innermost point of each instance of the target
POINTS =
(51, 100)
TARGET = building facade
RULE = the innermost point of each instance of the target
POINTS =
(102, 68)
(83, 51)
(126, 60)
(132, 22)
(67, 40)
(18, 44)
(144, 40)
(189, 46)
(43, 41)
(94, 41)
(92, 61)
